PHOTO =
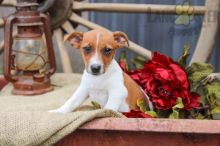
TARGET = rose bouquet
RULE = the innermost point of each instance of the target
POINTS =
(175, 90)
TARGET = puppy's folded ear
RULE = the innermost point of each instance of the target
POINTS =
(121, 39)
(75, 39)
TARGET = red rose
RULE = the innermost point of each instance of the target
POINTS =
(165, 81)
(136, 114)
(122, 64)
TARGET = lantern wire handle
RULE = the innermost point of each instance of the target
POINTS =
(38, 55)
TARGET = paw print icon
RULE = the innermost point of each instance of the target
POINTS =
(185, 13)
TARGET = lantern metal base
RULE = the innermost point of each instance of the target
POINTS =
(29, 85)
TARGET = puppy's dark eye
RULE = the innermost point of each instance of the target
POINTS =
(107, 51)
(87, 50)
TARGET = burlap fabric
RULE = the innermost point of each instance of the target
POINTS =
(24, 120)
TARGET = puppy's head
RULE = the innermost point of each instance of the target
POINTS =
(97, 47)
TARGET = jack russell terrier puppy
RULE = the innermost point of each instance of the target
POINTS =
(103, 80)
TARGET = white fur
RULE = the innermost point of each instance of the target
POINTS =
(107, 89)
(96, 59)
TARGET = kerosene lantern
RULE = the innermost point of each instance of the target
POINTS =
(29, 61)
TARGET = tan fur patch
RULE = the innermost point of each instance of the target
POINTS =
(106, 38)
(134, 92)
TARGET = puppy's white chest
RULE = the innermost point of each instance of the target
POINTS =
(99, 95)
(107, 89)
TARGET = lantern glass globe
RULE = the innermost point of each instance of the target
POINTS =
(30, 54)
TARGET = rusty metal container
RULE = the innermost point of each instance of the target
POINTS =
(145, 132)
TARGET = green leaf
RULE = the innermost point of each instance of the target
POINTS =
(152, 114)
(197, 72)
(183, 19)
(96, 105)
(139, 62)
(183, 58)
(140, 102)
(174, 115)
(213, 95)
(215, 110)
(142, 105)
(176, 109)
(123, 58)
(201, 91)
(210, 93)
(200, 117)
(179, 104)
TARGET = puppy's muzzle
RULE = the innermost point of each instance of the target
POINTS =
(95, 68)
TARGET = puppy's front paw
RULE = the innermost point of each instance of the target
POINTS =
(58, 111)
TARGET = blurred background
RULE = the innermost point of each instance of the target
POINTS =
(154, 32)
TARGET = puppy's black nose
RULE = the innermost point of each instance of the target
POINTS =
(95, 68)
